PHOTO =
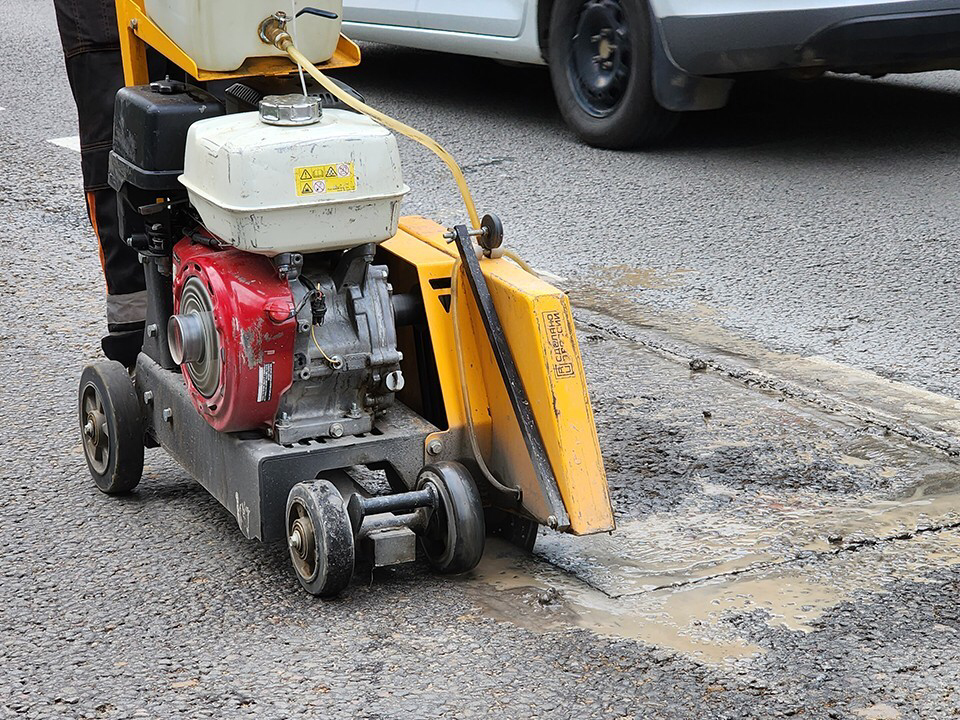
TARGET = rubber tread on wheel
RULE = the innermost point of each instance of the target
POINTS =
(120, 471)
(454, 539)
(332, 554)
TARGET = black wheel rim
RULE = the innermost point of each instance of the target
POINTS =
(436, 537)
(600, 57)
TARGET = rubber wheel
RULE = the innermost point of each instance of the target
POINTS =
(111, 427)
(601, 58)
(455, 534)
(320, 538)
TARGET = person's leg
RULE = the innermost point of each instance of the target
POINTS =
(91, 49)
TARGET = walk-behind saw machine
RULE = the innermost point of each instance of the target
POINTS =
(337, 376)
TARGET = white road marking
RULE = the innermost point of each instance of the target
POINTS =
(70, 143)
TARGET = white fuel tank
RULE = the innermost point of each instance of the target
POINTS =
(290, 179)
(221, 34)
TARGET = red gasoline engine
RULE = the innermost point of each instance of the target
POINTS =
(233, 332)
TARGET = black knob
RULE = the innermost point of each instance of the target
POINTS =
(318, 12)
(492, 236)
(168, 86)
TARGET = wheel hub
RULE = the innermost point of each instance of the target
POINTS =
(301, 538)
(302, 541)
(96, 437)
(600, 60)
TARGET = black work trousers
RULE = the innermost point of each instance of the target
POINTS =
(91, 49)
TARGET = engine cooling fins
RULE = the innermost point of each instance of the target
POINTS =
(244, 98)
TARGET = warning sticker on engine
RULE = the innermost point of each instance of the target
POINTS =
(265, 383)
(324, 179)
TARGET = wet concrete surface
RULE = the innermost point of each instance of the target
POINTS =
(788, 532)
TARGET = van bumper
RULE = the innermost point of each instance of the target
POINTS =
(848, 39)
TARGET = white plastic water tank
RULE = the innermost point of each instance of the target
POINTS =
(221, 34)
(332, 184)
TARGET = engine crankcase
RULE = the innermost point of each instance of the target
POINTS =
(346, 361)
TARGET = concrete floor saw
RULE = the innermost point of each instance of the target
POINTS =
(339, 377)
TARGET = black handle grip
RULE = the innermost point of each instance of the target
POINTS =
(318, 12)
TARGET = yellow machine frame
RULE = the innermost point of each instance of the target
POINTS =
(537, 324)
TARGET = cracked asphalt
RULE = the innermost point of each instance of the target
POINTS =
(788, 541)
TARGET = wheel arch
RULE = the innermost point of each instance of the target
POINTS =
(544, 9)
(676, 89)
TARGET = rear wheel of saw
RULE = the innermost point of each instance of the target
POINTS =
(111, 427)
(455, 533)
(320, 538)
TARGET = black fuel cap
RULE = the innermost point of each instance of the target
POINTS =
(168, 86)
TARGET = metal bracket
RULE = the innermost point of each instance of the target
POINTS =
(511, 377)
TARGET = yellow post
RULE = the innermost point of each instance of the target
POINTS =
(132, 48)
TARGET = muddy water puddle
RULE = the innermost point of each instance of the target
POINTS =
(699, 619)
(676, 581)
(670, 549)
(509, 586)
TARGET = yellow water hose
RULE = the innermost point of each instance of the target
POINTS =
(519, 261)
(350, 101)
(465, 390)
(284, 42)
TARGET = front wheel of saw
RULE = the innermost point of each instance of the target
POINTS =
(455, 533)
(111, 427)
(320, 538)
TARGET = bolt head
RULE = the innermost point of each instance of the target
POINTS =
(295, 541)
(336, 430)
(435, 447)
(167, 415)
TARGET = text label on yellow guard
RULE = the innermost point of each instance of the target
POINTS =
(558, 341)
(324, 179)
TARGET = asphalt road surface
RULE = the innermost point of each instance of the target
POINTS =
(766, 309)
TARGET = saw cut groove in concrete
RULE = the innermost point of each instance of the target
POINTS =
(908, 411)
